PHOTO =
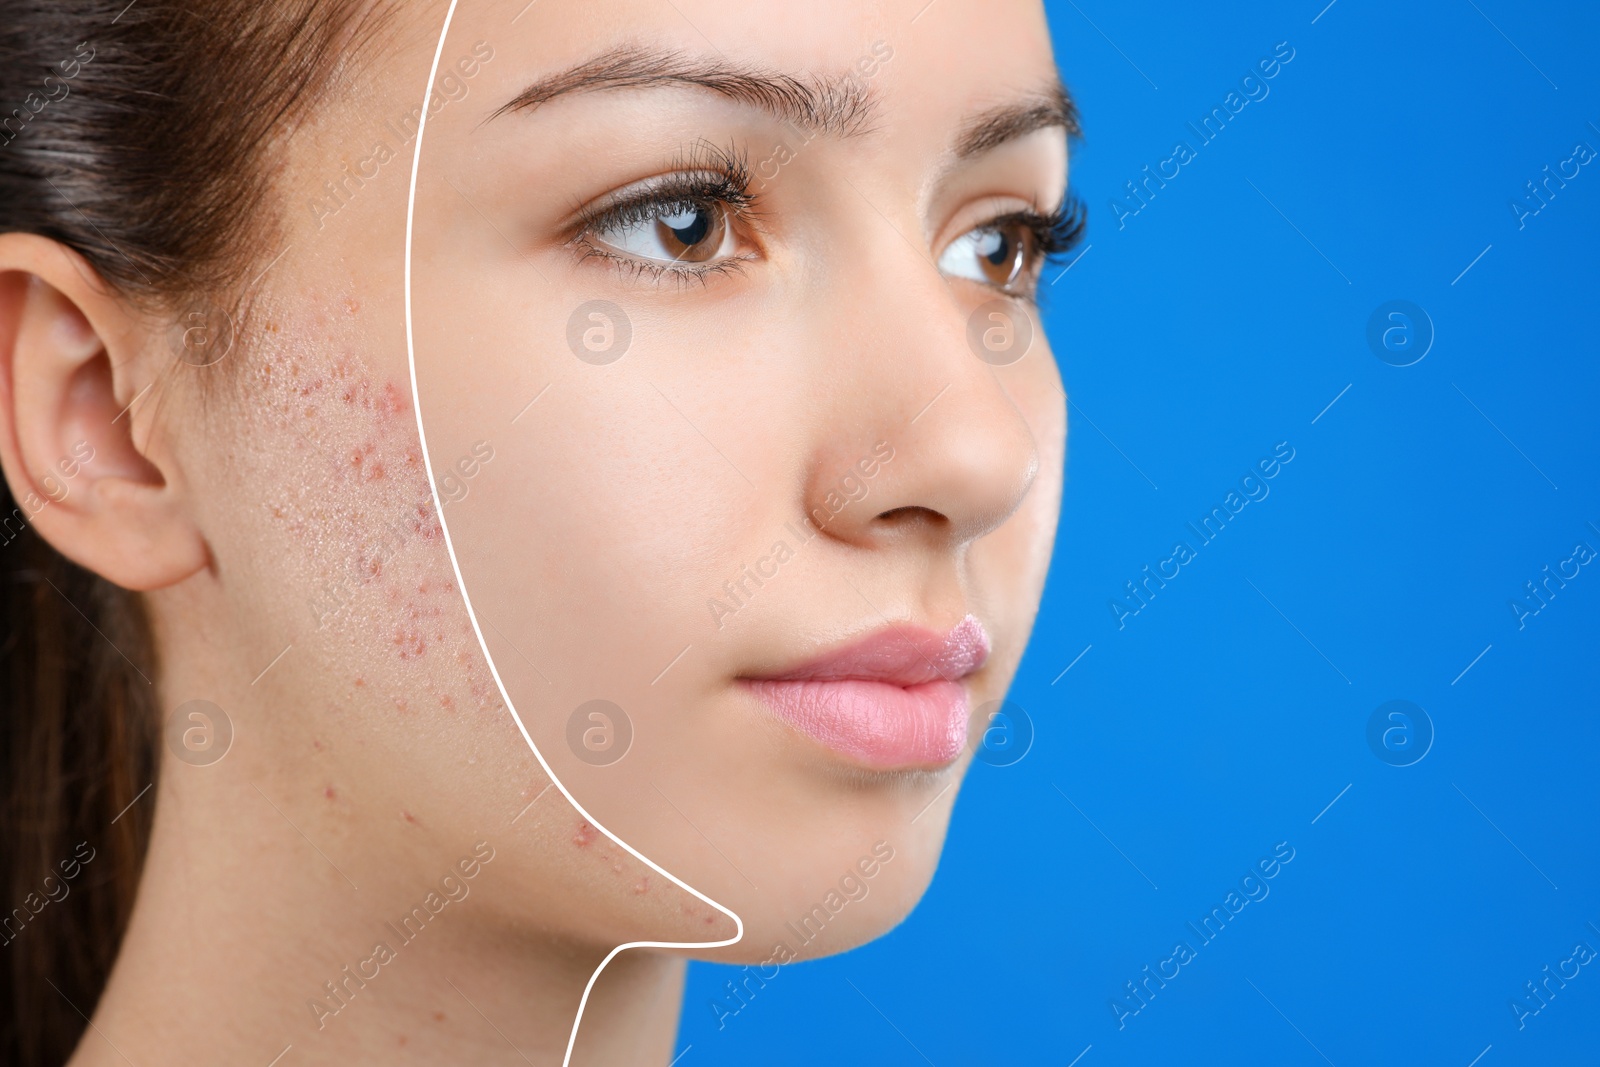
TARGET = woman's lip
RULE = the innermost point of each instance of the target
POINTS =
(898, 655)
(892, 700)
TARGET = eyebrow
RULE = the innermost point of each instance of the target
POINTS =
(838, 104)
(841, 105)
(1007, 122)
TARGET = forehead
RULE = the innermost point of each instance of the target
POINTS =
(923, 59)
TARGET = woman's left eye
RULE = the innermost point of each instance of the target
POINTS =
(997, 254)
(668, 232)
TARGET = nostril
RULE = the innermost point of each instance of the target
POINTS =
(912, 515)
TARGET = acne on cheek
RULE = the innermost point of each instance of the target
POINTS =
(585, 836)
(420, 617)
(358, 510)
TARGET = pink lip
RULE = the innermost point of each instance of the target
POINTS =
(891, 700)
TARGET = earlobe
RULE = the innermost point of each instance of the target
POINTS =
(77, 440)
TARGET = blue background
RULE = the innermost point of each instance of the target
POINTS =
(1226, 715)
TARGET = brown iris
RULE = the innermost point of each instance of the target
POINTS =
(1002, 252)
(692, 233)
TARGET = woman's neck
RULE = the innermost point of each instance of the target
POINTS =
(248, 945)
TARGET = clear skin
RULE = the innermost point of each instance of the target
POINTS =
(374, 751)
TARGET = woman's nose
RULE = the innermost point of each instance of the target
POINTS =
(951, 457)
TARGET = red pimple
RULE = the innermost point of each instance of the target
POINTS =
(410, 818)
(328, 792)
(424, 522)
(438, 1016)
(410, 642)
(585, 834)
(642, 886)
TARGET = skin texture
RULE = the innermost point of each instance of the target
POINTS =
(277, 515)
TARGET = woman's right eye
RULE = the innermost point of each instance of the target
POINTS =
(667, 232)
(997, 254)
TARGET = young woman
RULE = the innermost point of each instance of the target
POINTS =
(496, 482)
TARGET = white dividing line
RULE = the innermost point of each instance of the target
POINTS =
(1071, 665)
(1479, 1056)
(472, 615)
(1331, 803)
(1080, 1055)
(1324, 11)
(1473, 664)
(280, 1055)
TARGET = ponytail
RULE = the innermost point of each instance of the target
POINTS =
(143, 137)
(78, 735)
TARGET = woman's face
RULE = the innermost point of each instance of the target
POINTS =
(711, 312)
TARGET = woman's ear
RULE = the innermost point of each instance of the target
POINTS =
(79, 369)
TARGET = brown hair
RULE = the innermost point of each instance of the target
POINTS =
(143, 136)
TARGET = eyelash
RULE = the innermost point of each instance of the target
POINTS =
(708, 174)
(1055, 233)
(703, 176)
